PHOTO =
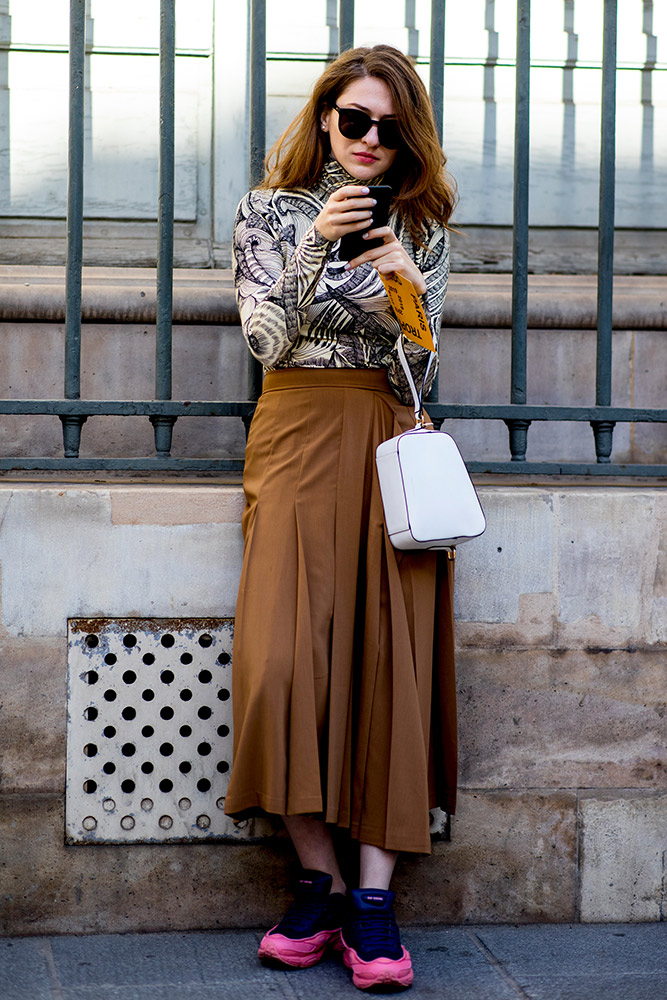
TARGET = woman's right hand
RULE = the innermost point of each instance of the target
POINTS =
(347, 210)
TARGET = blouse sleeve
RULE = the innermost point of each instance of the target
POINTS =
(275, 281)
(434, 265)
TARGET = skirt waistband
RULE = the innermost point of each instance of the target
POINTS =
(322, 378)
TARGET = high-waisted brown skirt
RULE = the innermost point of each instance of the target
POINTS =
(343, 669)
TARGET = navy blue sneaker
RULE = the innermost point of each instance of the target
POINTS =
(310, 926)
(372, 944)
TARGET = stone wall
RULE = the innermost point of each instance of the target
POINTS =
(562, 639)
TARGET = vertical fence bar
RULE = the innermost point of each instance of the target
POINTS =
(437, 64)
(518, 429)
(257, 90)
(257, 142)
(604, 429)
(77, 53)
(345, 25)
(437, 95)
(163, 426)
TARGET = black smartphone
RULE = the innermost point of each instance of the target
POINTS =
(353, 244)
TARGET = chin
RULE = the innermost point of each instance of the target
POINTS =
(363, 172)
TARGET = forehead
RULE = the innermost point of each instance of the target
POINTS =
(370, 94)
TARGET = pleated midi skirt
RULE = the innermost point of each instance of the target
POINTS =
(343, 668)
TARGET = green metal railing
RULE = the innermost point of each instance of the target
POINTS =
(163, 411)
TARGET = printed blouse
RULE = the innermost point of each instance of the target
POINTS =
(301, 309)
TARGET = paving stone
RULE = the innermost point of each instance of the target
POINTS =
(151, 959)
(536, 962)
(23, 966)
(581, 962)
(579, 949)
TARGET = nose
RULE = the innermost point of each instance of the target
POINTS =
(371, 138)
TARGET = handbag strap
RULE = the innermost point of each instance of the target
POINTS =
(416, 396)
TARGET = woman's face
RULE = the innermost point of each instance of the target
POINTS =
(363, 158)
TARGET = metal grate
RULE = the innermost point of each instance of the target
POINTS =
(149, 731)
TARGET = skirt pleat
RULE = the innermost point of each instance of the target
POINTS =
(343, 668)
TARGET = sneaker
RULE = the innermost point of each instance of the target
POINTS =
(371, 942)
(310, 926)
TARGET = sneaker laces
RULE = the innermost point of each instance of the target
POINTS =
(380, 933)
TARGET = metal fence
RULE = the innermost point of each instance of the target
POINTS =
(163, 411)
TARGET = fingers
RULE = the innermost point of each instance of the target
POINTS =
(350, 191)
(391, 249)
(390, 258)
(350, 199)
(347, 210)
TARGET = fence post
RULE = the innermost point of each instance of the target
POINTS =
(437, 95)
(518, 428)
(163, 425)
(72, 424)
(603, 430)
(257, 144)
(437, 65)
(345, 25)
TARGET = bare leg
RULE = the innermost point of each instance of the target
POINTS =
(376, 867)
(314, 846)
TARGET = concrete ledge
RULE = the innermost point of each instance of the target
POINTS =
(127, 295)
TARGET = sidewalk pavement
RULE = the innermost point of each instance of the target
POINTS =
(538, 962)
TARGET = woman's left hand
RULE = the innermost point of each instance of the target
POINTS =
(390, 258)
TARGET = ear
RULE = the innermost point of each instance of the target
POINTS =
(324, 119)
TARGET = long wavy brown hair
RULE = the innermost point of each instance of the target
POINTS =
(423, 191)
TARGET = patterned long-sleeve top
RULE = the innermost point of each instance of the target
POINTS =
(301, 309)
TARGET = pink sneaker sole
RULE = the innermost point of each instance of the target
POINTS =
(395, 972)
(298, 953)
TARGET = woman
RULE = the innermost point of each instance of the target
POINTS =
(343, 689)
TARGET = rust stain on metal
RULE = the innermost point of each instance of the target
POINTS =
(89, 625)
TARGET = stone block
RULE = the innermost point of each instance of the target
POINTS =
(656, 631)
(514, 557)
(66, 536)
(176, 505)
(624, 857)
(608, 542)
(117, 362)
(512, 858)
(48, 888)
(649, 441)
(33, 715)
(561, 718)
(560, 372)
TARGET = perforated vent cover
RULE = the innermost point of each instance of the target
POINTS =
(149, 731)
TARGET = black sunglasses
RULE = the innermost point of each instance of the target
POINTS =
(355, 124)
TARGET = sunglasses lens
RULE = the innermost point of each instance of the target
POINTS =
(389, 135)
(355, 124)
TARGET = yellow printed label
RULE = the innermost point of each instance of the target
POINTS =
(409, 312)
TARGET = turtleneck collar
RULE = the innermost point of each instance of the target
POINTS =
(334, 176)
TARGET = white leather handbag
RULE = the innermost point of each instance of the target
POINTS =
(428, 497)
